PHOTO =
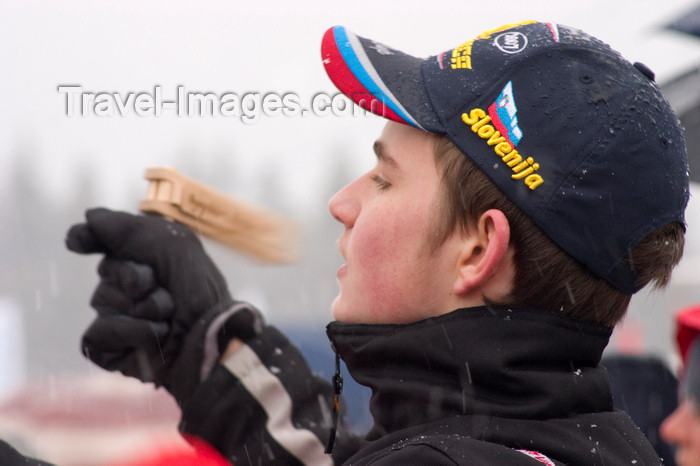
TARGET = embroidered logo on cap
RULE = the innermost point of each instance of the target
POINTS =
(511, 42)
(503, 114)
(462, 56)
(499, 128)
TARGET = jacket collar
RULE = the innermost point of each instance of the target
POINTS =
(494, 361)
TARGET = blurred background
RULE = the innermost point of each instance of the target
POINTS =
(54, 165)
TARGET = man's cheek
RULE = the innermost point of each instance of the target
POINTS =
(372, 244)
(384, 302)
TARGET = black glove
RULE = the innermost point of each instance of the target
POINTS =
(164, 310)
(133, 319)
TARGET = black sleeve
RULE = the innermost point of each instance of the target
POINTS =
(264, 405)
(11, 457)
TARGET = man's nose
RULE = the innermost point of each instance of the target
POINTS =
(344, 206)
(675, 427)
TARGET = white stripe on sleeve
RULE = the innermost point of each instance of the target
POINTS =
(277, 404)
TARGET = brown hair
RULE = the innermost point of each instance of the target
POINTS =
(546, 277)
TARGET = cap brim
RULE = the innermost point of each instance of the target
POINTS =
(382, 80)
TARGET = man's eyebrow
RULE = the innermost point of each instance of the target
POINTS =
(382, 156)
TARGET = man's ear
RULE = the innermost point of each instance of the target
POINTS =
(483, 251)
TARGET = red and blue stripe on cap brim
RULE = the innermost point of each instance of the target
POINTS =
(355, 76)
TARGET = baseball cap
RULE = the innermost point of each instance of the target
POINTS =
(577, 137)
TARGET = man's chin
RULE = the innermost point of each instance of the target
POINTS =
(341, 312)
(336, 309)
(687, 457)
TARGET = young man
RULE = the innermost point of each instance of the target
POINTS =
(682, 427)
(527, 184)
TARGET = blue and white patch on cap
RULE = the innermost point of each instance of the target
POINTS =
(503, 113)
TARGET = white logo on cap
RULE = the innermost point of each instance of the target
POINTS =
(511, 42)
(382, 49)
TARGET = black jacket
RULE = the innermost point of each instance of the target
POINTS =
(476, 386)
(11, 457)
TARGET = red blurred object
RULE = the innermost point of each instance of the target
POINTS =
(200, 454)
(687, 328)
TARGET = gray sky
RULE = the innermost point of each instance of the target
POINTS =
(221, 47)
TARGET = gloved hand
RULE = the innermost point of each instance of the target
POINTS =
(133, 320)
(164, 310)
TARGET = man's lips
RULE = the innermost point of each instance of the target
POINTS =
(342, 271)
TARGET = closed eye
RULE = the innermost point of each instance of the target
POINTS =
(381, 183)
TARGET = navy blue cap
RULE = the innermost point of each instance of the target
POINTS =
(577, 137)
